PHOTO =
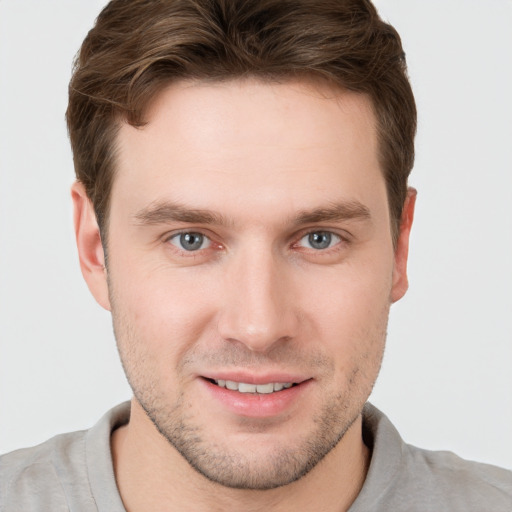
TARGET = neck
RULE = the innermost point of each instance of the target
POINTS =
(152, 475)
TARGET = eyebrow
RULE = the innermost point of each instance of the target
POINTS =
(336, 212)
(166, 212)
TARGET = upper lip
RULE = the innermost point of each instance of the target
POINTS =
(256, 378)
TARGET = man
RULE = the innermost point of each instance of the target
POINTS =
(242, 210)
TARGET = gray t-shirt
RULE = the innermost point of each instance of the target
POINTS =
(74, 472)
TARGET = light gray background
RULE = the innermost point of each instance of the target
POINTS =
(446, 381)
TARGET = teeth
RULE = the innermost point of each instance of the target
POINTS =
(246, 388)
(243, 387)
(265, 388)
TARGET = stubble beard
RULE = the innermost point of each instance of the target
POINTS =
(223, 464)
(229, 467)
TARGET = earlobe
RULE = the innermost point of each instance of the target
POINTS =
(400, 281)
(90, 248)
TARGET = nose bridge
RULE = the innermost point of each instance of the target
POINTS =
(257, 311)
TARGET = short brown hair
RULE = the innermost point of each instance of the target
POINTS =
(137, 47)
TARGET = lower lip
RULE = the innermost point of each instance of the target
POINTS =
(257, 405)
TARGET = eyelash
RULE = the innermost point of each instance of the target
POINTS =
(337, 238)
(190, 233)
(339, 242)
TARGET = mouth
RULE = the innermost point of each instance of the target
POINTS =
(257, 396)
(259, 389)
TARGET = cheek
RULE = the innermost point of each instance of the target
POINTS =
(349, 315)
(352, 294)
(158, 314)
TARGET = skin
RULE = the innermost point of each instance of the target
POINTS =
(266, 165)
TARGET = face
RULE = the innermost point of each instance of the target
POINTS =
(251, 270)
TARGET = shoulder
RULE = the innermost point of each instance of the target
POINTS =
(402, 477)
(31, 478)
(69, 472)
(452, 480)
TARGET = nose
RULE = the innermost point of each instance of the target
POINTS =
(258, 310)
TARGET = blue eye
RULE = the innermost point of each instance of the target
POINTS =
(319, 240)
(190, 241)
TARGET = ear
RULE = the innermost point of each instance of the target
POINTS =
(90, 248)
(400, 281)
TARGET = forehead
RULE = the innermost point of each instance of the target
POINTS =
(291, 143)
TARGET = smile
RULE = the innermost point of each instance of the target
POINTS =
(243, 387)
